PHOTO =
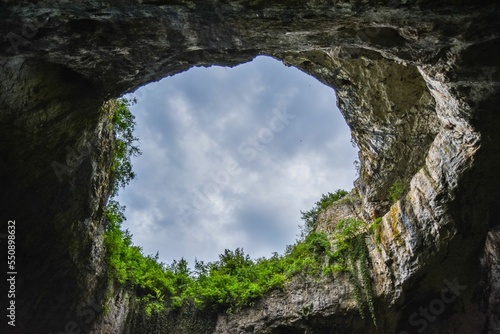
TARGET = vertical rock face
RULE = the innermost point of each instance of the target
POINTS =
(390, 111)
(56, 149)
(417, 81)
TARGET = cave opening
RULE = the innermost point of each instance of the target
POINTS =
(230, 156)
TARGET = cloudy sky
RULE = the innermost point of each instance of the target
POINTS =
(230, 157)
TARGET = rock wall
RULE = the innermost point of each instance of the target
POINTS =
(56, 149)
(417, 81)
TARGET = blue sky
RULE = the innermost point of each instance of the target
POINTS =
(230, 157)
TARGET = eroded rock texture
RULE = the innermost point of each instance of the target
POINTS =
(417, 81)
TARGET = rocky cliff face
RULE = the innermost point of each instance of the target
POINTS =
(417, 81)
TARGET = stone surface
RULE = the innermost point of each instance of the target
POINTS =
(418, 84)
(56, 149)
(324, 306)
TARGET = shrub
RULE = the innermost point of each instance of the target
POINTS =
(396, 191)
(311, 217)
(233, 282)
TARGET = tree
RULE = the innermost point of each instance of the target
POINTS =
(125, 146)
(311, 217)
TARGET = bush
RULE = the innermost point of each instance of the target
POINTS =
(233, 282)
(311, 217)
(396, 191)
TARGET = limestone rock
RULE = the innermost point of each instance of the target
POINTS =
(416, 80)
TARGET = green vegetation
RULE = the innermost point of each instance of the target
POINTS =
(176, 293)
(123, 127)
(232, 282)
(235, 280)
(375, 229)
(311, 217)
(396, 191)
(351, 255)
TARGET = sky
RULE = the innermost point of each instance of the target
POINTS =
(230, 156)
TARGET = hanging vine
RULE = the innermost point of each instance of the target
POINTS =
(351, 255)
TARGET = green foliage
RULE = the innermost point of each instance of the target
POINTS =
(236, 281)
(311, 217)
(232, 282)
(127, 263)
(307, 256)
(123, 126)
(351, 255)
(375, 229)
(105, 309)
(396, 191)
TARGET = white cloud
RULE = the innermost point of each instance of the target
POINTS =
(188, 200)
